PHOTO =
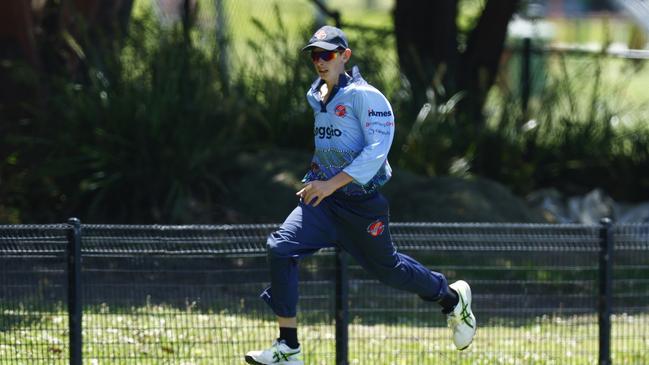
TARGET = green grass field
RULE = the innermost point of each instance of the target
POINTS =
(156, 334)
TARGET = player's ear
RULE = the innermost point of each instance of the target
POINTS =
(347, 54)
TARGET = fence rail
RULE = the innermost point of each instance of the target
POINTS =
(568, 294)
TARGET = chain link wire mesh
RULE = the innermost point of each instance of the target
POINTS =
(189, 294)
(33, 310)
(534, 294)
(630, 320)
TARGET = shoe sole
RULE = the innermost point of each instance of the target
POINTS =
(252, 361)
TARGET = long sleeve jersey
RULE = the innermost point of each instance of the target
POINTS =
(353, 133)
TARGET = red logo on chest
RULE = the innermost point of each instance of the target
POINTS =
(340, 110)
(376, 228)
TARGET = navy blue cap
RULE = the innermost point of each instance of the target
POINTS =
(327, 38)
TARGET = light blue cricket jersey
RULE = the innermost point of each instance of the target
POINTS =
(353, 132)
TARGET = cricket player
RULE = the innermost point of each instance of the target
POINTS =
(340, 204)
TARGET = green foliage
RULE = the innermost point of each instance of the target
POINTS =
(152, 135)
(431, 144)
(143, 147)
(155, 132)
(577, 135)
(572, 140)
(271, 87)
(149, 144)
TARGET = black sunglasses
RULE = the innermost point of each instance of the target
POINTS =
(325, 55)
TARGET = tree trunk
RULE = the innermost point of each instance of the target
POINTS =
(426, 45)
(17, 50)
(480, 62)
(106, 19)
(69, 31)
(17, 31)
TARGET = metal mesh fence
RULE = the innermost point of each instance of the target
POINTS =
(33, 317)
(189, 294)
(630, 319)
(534, 292)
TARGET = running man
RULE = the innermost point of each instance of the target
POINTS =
(340, 204)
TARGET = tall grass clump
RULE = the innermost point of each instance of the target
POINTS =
(580, 132)
(146, 138)
(270, 84)
(151, 130)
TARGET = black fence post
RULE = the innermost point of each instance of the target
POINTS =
(74, 290)
(342, 309)
(605, 290)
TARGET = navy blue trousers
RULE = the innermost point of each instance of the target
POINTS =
(360, 227)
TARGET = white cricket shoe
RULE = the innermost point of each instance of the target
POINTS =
(461, 319)
(279, 353)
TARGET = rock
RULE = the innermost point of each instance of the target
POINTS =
(586, 209)
(264, 192)
(636, 214)
(453, 199)
(550, 203)
(263, 189)
(591, 208)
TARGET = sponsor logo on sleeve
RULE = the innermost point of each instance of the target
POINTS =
(379, 124)
(383, 128)
(376, 228)
(379, 113)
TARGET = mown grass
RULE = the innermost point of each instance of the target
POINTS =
(160, 334)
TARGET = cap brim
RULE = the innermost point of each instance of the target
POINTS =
(324, 45)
